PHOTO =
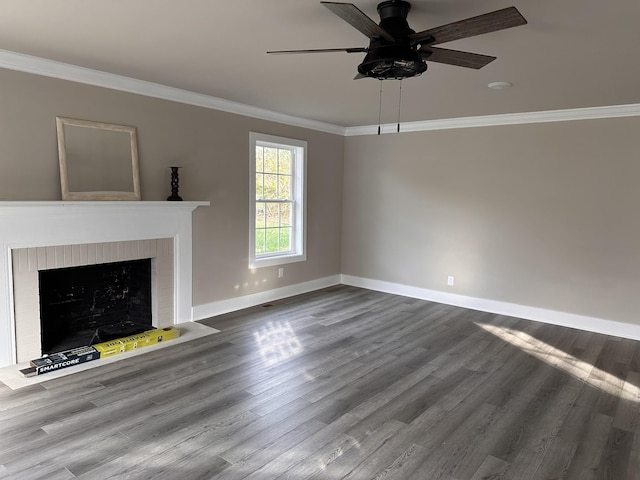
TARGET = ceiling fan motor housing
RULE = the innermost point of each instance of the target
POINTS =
(393, 60)
(393, 9)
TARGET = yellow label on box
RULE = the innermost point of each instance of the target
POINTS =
(109, 349)
(138, 341)
(168, 333)
(133, 342)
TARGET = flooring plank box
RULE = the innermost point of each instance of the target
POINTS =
(56, 361)
(110, 348)
(133, 342)
(151, 337)
(79, 355)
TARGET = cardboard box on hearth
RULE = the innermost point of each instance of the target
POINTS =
(108, 349)
(134, 342)
(151, 337)
(168, 333)
(65, 359)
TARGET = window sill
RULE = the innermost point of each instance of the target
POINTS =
(276, 260)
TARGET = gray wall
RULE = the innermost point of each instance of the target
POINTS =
(543, 215)
(213, 148)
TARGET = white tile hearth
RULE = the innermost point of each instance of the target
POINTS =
(13, 379)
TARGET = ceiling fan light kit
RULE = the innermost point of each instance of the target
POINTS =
(396, 51)
(396, 59)
(391, 62)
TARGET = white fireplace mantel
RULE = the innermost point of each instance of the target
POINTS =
(52, 223)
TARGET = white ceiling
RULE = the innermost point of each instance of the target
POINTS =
(571, 54)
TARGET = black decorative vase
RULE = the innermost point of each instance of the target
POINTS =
(175, 185)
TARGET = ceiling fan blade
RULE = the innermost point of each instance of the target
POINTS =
(455, 57)
(320, 50)
(358, 19)
(486, 23)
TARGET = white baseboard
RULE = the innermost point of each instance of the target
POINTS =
(590, 324)
(238, 303)
(554, 317)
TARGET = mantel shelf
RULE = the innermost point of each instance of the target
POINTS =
(101, 204)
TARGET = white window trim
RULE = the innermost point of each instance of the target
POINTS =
(300, 211)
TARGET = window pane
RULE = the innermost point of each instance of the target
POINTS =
(260, 242)
(285, 239)
(270, 187)
(271, 240)
(285, 162)
(259, 189)
(260, 215)
(273, 215)
(284, 187)
(259, 159)
(271, 160)
(285, 214)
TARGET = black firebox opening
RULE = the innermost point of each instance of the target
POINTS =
(94, 303)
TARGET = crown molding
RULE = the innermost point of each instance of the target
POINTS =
(64, 71)
(589, 113)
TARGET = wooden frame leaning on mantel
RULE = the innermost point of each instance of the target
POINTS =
(98, 161)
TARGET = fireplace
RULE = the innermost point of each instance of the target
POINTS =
(93, 303)
(41, 236)
(31, 264)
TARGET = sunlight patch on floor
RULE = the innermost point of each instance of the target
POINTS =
(277, 342)
(575, 367)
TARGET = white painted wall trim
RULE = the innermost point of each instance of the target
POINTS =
(64, 71)
(212, 309)
(553, 317)
(590, 324)
(591, 113)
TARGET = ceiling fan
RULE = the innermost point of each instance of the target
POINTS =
(396, 51)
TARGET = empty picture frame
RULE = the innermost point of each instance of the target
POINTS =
(98, 161)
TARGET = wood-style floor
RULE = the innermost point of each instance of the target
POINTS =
(342, 383)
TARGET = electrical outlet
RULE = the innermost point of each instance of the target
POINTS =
(281, 272)
(450, 280)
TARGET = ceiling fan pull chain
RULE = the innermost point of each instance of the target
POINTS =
(399, 105)
(380, 109)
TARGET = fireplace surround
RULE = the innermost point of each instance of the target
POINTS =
(46, 232)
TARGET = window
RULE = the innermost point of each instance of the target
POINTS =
(277, 203)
